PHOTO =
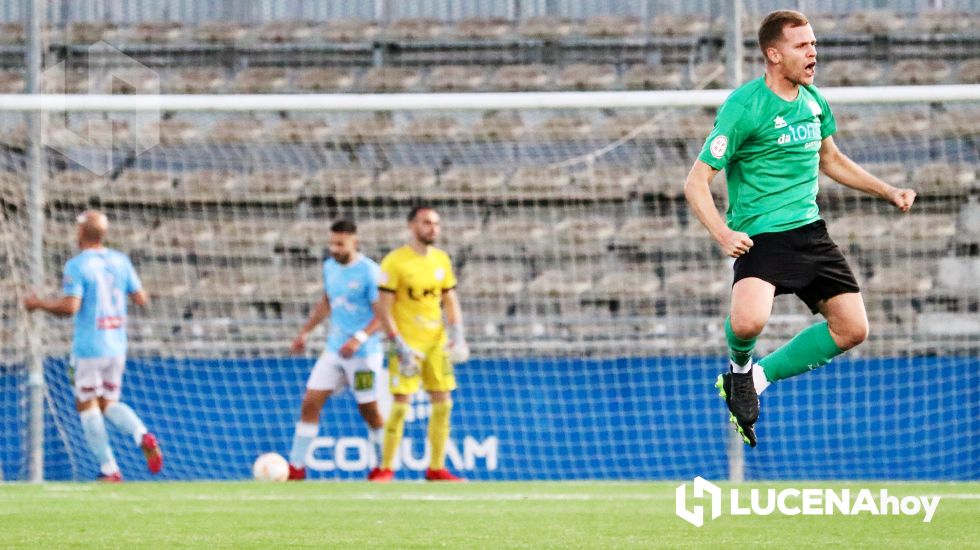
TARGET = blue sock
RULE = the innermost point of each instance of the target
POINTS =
(305, 433)
(93, 426)
(123, 418)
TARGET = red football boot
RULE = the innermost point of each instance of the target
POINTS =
(152, 452)
(441, 475)
(381, 475)
(115, 477)
(296, 474)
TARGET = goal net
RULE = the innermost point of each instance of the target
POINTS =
(594, 301)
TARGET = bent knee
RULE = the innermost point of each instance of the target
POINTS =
(746, 327)
(852, 335)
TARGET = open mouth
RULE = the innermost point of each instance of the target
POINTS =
(810, 68)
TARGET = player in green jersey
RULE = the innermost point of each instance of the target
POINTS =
(773, 136)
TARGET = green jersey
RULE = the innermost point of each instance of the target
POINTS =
(771, 150)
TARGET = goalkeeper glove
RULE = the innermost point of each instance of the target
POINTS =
(459, 352)
(408, 358)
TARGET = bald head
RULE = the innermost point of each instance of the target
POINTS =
(92, 228)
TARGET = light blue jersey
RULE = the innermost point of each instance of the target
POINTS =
(351, 290)
(103, 279)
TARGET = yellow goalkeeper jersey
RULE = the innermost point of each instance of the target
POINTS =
(418, 283)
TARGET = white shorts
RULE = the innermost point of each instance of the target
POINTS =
(98, 377)
(362, 374)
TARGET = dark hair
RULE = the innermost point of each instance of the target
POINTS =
(772, 26)
(416, 209)
(343, 226)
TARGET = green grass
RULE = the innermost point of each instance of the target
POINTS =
(412, 515)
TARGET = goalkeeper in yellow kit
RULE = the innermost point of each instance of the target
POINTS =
(417, 284)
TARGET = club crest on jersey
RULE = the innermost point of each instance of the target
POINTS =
(440, 274)
(779, 122)
(815, 108)
(718, 146)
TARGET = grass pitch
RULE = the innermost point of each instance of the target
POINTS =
(472, 515)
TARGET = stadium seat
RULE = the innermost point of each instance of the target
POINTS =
(411, 29)
(901, 123)
(943, 178)
(873, 22)
(583, 236)
(89, 32)
(521, 78)
(390, 79)
(561, 127)
(340, 183)
(545, 27)
(102, 133)
(349, 30)
(286, 31)
(679, 25)
(969, 72)
(482, 28)
(633, 292)
(203, 80)
(708, 75)
(237, 130)
(433, 128)
(849, 73)
(257, 80)
(536, 182)
(126, 81)
(920, 71)
(968, 222)
(273, 186)
(607, 181)
(367, 129)
(11, 33)
(154, 32)
(324, 80)
(406, 181)
(559, 290)
(513, 237)
(175, 131)
(456, 78)
(144, 186)
(378, 236)
(899, 281)
(868, 232)
(11, 82)
(492, 287)
(653, 77)
(305, 237)
(891, 172)
(666, 180)
(583, 77)
(646, 234)
(220, 32)
(301, 131)
(956, 122)
(206, 185)
(941, 22)
(610, 26)
(75, 81)
(180, 237)
(498, 126)
(77, 186)
(464, 182)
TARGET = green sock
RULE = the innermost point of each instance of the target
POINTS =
(739, 350)
(813, 347)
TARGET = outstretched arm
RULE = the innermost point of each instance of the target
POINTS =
(65, 306)
(845, 171)
(733, 243)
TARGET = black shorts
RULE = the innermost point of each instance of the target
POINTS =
(802, 261)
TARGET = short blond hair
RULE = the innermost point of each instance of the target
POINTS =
(771, 30)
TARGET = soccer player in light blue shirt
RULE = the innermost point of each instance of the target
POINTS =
(97, 285)
(353, 355)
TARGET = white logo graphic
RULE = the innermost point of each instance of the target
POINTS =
(440, 274)
(696, 516)
(718, 146)
(101, 135)
(815, 108)
(806, 502)
(355, 454)
(780, 123)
